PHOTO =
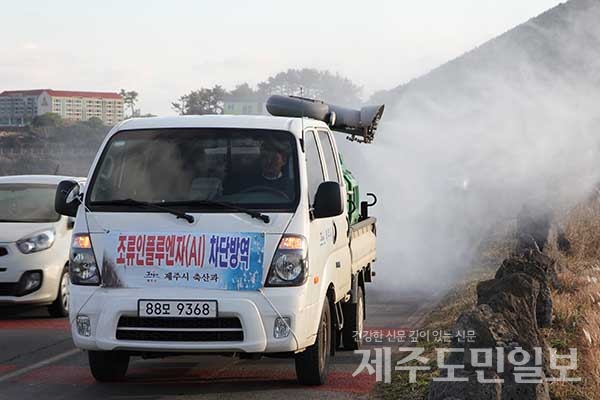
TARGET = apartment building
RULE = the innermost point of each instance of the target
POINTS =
(19, 107)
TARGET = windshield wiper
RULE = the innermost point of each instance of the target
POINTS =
(212, 203)
(131, 202)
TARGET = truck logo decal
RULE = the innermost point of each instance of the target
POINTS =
(232, 261)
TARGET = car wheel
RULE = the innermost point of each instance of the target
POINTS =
(60, 307)
(108, 366)
(354, 317)
(312, 365)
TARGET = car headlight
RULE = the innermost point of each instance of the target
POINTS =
(289, 266)
(37, 242)
(83, 269)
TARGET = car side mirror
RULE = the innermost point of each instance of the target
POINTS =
(328, 200)
(66, 200)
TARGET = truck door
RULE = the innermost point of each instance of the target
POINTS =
(320, 229)
(339, 252)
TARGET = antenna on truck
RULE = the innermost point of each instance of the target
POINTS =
(359, 125)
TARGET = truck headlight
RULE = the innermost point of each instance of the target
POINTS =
(37, 242)
(289, 266)
(83, 269)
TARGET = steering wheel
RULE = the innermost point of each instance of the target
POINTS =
(252, 189)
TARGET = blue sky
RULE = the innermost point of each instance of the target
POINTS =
(164, 49)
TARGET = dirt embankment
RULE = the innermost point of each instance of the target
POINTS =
(544, 295)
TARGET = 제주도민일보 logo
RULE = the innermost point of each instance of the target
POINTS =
(231, 261)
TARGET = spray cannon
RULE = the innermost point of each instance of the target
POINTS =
(360, 125)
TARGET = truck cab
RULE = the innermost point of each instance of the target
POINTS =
(216, 234)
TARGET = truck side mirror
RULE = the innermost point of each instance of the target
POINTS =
(66, 200)
(328, 200)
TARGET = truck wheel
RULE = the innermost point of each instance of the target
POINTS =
(108, 366)
(312, 365)
(60, 307)
(354, 317)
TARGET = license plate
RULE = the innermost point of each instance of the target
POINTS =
(178, 308)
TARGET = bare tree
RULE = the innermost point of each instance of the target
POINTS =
(130, 98)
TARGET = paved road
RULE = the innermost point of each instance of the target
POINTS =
(38, 361)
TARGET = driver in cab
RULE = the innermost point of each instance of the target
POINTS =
(274, 155)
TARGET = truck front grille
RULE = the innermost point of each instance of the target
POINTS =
(180, 329)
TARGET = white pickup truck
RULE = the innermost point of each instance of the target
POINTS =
(219, 234)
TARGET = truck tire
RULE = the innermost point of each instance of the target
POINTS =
(312, 365)
(354, 322)
(60, 307)
(108, 366)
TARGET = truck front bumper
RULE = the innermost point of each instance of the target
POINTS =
(104, 308)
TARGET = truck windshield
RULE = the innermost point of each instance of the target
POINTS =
(198, 169)
(27, 203)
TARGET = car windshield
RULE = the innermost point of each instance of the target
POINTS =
(198, 168)
(27, 203)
